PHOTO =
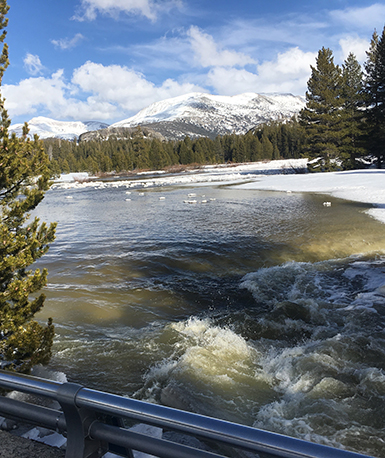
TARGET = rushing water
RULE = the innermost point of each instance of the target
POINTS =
(257, 307)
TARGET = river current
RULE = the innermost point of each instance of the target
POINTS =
(262, 308)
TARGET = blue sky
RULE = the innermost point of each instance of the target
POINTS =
(107, 59)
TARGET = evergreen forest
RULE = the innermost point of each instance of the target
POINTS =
(266, 142)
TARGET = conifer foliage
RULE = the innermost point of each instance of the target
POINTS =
(353, 146)
(375, 97)
(273, 140)
(344, 117)
(322, 115)
(24, 177)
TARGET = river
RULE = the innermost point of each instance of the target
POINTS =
(263, 308)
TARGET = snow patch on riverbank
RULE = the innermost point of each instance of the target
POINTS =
(221, 172)
(366, 186)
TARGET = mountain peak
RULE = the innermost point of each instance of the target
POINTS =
(203, 114)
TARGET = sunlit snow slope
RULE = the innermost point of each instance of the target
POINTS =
(47, 128)
(200, 114)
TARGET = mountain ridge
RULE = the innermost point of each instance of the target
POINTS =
(195, 114)
(202, 114)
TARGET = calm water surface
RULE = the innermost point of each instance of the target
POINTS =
(257, 307)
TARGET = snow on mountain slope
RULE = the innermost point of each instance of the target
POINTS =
(194, 114)
(217, 114)
(48, 128)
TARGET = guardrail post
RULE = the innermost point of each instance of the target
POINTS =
(78, 421)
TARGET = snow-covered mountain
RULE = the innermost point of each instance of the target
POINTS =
(196, 114)
(48, 128)
(199, 114)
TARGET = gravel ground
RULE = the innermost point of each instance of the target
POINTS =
(18, 447)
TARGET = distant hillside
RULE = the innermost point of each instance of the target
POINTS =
(119, 133)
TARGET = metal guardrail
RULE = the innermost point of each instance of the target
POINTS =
(92, 422)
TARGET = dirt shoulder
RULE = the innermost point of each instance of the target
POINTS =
(18, 447)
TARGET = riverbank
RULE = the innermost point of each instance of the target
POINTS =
(365, 186)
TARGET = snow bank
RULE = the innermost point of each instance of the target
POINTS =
(71, 177)
(366, 186)
(207, 174)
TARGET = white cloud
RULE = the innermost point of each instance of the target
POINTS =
(68, 43)
(207, 53)
(89, 9)
(94, 92)
(289, 72)
(32, 64)
(358, 46)
(368, 17)
(130, 90)
(292, 65)
(33, 93)
(232, 81)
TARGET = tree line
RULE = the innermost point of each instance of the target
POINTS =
(267, 142)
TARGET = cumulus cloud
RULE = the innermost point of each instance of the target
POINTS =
(358, 46)
(68, 43)
(130, 90)
(289, 72)
(89, 9)
(94, 92)
(32, 64)
(208, 53)
(292, 66)
(232, 81)
(33, 93)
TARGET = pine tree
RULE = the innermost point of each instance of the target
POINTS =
(321, 117)
(24, 178)
(157, 156)
(375, 97)
(352, 93)
(253, 146)
(199, 152)
(267, 148)
(185, 151)
(218, 151)
(239, 153)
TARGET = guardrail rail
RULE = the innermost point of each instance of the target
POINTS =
(93, 422)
